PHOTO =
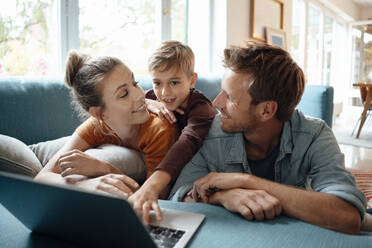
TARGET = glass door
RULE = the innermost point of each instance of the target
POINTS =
(361, 58)
(362, 53)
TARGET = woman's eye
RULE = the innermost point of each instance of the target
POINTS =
(124, 94)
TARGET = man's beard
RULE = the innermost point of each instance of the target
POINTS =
(248, 126)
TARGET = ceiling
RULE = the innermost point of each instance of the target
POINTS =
(364, 3)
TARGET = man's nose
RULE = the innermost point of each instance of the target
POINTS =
(217, 101)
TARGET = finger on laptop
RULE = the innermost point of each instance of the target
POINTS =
(146, 207)
(156, 208)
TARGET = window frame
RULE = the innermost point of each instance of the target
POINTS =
(325, 11)
(68, 25)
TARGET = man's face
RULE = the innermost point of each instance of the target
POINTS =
(234, 102)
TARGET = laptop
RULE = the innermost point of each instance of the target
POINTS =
(89, 219)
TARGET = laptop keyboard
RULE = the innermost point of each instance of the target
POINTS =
(164, 236)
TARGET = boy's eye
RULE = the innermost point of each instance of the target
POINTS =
(173, 83)
(156, 83)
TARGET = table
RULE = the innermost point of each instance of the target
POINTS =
(367, 104)
(221, 228)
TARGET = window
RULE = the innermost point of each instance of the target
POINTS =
(28, 43)
(362, 53)
(318, 36)
(298, 31)
(315, 46)
(125, 29)
(36, 35)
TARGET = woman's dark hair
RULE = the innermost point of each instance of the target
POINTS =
(84, 76)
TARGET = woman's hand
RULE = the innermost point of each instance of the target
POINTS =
(112, 184)
(160, 110)
(78, 162)
(144, 200)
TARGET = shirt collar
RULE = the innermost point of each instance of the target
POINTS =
(237, 154)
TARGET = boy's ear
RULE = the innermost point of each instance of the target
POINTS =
(96, 112)
(194, 78)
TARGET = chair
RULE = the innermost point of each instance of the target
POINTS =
(365, 89)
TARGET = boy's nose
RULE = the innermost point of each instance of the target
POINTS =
(165, 91)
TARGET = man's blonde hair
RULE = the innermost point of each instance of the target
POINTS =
(172, 54)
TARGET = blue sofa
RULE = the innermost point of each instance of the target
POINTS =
(39, 109)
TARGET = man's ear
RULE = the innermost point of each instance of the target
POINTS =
(96, 112)
(193, 80)
(268, 110)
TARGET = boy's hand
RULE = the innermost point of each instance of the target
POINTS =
(160, 110)
(144, 200)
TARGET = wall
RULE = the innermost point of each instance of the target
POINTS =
(345, 8)
(366, 14)
(238, 20)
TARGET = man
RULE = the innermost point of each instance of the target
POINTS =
(267, 152)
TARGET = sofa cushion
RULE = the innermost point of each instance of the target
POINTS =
(36, 109)
(16, 157)
(128, 161)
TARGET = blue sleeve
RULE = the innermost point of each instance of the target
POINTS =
(195, 169)
(328, 173)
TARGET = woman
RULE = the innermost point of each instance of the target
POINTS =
(105, 88)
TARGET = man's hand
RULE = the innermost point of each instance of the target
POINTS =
(143, 201)
(160, 110)
(80, 163)
(252, 204)
(113, 184)
(208, 184)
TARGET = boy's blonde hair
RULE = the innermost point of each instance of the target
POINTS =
(172, 54)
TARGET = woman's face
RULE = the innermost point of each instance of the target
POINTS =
(124, 100)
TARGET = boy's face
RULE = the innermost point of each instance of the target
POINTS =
(172, 87)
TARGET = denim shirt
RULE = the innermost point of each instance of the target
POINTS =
(308, 154)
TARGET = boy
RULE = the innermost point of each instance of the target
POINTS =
(173, 97)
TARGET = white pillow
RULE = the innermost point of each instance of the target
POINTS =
(129, 162)
(17, 157)
(45, 150)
